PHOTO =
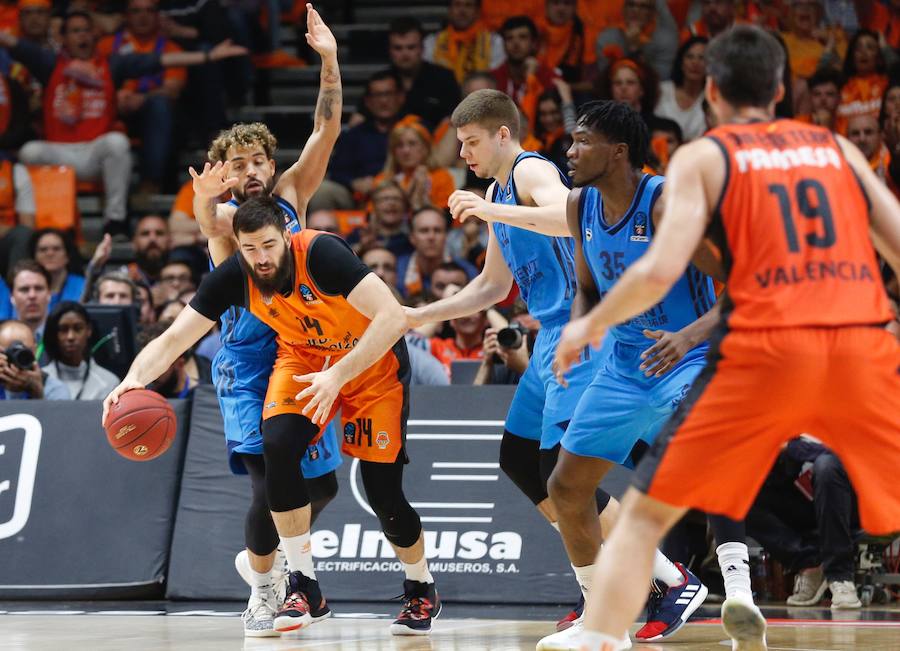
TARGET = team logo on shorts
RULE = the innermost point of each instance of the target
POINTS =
(307, 294)
(350, 433)
(288, 402)
(313, 453)
(382, 440)
(639, 228)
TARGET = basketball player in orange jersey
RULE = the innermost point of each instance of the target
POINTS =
(801, 347)
(339, 333)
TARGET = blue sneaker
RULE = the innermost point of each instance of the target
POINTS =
(669, 608)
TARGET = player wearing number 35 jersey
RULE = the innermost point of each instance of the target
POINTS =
(801, 347)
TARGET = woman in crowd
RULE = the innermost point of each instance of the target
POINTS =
(56, 253)
(67, 341)
(866, 80)
(681, 99)
(631, 83)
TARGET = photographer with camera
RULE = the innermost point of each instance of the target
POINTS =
(506, 353)
(20, 376)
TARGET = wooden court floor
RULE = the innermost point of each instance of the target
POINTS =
(38, 627)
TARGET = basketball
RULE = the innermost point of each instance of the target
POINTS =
(141, 426)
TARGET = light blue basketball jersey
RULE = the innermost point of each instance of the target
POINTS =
(609, 250)
(543, 266)
(242, 333)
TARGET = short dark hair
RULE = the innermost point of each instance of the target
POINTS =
(824, 76)
(71, 15)
(677, 74)
(27, 265)
(488, 108)
(68, 241)
(51, 329)
(517, 22)
(384, 75)
(657, 123)
(405, 25)
(257, 213)
(747, 64)
(618, 122)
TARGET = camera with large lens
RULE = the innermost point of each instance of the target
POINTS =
(511, 337)
(20, 355)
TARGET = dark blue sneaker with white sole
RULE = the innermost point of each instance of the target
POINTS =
(670, 608)
(421, 605)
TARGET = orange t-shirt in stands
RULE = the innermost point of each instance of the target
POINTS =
(860, 96)
(446, 351)
(880, 18)
(442, 185)
(494, 12)
(125, 43)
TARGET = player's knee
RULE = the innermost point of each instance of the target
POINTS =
(566, 493)
(399, 521)
(520, 461)
(321, 491)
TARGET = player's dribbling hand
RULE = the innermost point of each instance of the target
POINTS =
(318, 35)
(575, 336)
(464, 204)
(113, 397)
(214, 180)
(323, 390)
(662, 356)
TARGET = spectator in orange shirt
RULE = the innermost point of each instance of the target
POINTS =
(147, 104)
(494, 12)
(810, 43)
(882, 17)
(563, 39)
(864, 132)
(466, 44)
(716, 16)
(522, 76)
(866, 81)
(409, 164)
(646, 33)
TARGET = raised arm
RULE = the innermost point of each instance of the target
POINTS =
(214, 218)
(161, 353)
(537, 184)
(487, 288)
(586, 295)
(885, 210)
(302, 179)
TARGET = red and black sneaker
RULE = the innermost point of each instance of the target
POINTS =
(421, 605)
(303, 604)
(568, 620)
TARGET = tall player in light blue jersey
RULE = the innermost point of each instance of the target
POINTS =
(537, 253)
(613, 212)
(244, 166)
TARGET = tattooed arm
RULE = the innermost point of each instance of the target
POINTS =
(302, 179)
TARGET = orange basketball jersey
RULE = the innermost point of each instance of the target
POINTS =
(793, 225)
(308, 321)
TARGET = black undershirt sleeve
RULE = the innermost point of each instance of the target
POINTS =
(220, 289)
(333, 266)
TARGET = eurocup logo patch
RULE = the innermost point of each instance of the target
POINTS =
(306, 294)
(639, 228)
(350, 433)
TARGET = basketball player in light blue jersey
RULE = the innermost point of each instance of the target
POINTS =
(244, 165)
(538, 255)
(612, 213)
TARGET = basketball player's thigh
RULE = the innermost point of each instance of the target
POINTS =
(526, 411)
(609, 419)
(562, 401)
(374, 408)
(861, 420)
(717, 448)
(241, 404)
(283, 388)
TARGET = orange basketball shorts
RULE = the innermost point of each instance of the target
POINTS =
(762, 388)
(374, 405)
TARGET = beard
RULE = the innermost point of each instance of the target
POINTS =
(151, 260)
(270, 285)
(241, 196)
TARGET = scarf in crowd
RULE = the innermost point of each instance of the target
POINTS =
(463, 51)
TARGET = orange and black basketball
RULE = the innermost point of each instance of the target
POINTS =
(141, 426)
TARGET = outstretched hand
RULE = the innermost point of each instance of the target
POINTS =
(318, 35)
(214, 180)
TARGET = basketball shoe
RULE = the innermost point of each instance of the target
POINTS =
(259, 616)
(570, 639)
(745, 624)
(670, 607)
(303, 605)
(573, 615)
(421, 605)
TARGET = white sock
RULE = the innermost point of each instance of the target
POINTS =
(585, 577)
(594, 641)
(299, 554)
(418, 571)
(260, 582)
(734, 561)
(664, 570)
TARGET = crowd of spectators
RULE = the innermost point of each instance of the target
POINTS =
(91, 86)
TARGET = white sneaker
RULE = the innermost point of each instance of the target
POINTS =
(844, 596)
(809, 587)
(279, 571)
(259, 617)
(745, 624)
(570, 639)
